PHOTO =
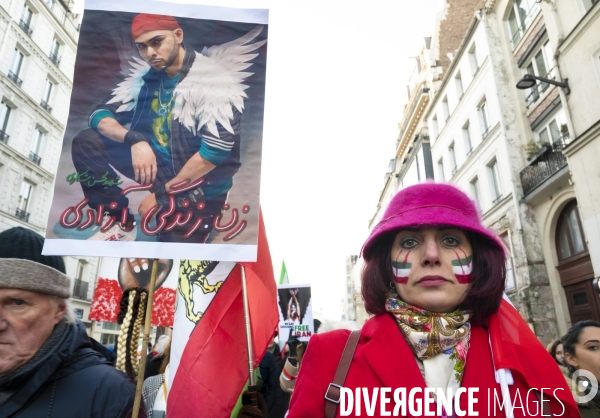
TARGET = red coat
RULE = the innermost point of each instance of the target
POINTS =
(384, 359)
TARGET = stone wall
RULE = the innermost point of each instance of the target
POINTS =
(453, 27)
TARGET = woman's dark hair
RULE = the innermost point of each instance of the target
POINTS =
(552, 350)
(572, 338)
(487, 284)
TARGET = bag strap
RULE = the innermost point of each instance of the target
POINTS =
(332, 396)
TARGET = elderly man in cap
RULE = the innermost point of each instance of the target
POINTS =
(175, 118)
(48, 365)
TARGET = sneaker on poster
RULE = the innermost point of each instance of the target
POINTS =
(115, 233)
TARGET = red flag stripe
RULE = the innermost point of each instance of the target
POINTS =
(214, 367)
(515, 347)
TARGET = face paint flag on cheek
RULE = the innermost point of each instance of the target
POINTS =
(401, 270)
(462, 268)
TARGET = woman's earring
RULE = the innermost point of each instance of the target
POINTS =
(392, 287)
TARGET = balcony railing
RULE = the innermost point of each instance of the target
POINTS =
(46, 106)
(4, 137)
(26, 28)
(62, 11)
(55, 58)
(22, 215)
(548, 162)
(80, 289)
(35, 158)
(15, 78)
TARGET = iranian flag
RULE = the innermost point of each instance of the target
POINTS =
(516, 347)
(209, 363)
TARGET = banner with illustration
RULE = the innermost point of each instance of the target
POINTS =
(119, 274)
(295, 312)
(161, 155)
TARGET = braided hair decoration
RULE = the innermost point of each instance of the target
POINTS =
(131, 315)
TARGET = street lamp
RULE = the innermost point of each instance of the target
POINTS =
(528, 81)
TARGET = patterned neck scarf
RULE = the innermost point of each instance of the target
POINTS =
(439, 340)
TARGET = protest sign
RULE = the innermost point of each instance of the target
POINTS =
(162, 150)
(117, 275)
(295, 312)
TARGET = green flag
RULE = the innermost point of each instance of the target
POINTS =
(283, 279)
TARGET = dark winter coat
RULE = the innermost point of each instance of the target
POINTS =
(270, 378)
(74, 381)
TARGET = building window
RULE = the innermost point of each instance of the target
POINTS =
(46, 96)
(540, 65)
(494, 176)
(108, 340)
(36, 143)
(441, 169)
(25, 22)
(522, 14)
(80, 270)
(555, 131)
(467, 138)
(15, 67)
(452, 155)
(54, 57)
(587, 4)
(434, 127)
(473, 60)
(459, 85)
(445, 108)
(475, 191)
(4, 118)
(24, 201)
(484, 118)
(570, 239)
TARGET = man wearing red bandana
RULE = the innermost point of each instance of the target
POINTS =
(174, 118)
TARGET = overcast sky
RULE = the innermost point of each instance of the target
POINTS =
(336, 74)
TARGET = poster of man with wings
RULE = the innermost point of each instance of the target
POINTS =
(162, 149)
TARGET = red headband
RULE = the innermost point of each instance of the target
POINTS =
(146, 22)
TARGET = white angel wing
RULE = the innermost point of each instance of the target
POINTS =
(128, 90)
(214, 84)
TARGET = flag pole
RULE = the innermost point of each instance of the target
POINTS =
(251, 388)
(142, 368)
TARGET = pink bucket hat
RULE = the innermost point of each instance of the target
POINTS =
(429, 204)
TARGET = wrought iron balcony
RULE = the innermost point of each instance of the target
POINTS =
(80, 289)
(547, 162)
(15, 78)
(46, 106)
(26, 28)
(35, 158)
(4, 137)
(22, 215)
(55, 58)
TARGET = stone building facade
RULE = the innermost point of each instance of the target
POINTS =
(558, 40)
(480, 149)
(38, 44)
(527, 157)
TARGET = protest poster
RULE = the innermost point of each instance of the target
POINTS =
(117, 275)
(161, 154)
(295, 312)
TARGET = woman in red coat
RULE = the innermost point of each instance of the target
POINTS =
(443, 342)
